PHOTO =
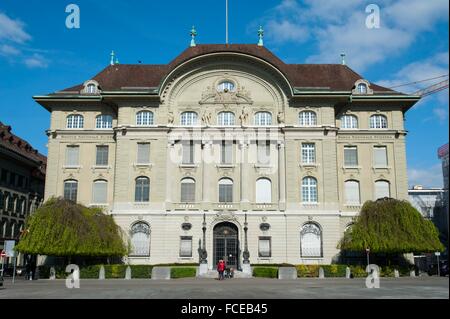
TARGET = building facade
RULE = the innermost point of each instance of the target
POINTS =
(228, 150)
(443, 156)
(22, 177)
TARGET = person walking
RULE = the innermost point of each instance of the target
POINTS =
(221, 268)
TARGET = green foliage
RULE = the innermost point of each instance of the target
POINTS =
(358, 271)
(334, 270)
(63, 228)
(307, 270)
(391, 226)
(182, 272)
(265, 272)
(92, 271)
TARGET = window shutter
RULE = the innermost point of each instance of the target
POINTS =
(380, 156)
(143, 153)
(264, 247)
(350, 156)
(100, 192)
(72, 154)
(186, 247)
(352, 192)
(187, 191)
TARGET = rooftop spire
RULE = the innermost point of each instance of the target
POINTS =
(343, 58)
(112, 58)
(193, 35)
(261, 36)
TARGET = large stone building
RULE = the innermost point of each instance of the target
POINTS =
(228, 150)
(22, 177)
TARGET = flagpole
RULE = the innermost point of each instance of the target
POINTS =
(226, 22)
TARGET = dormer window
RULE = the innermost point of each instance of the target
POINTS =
(362, 88)
(225, 86)
(91, 88)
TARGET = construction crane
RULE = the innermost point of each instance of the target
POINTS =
(432, 88)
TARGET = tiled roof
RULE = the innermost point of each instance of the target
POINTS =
(335, 77)
(21, 147)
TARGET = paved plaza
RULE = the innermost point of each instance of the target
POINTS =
(253, 288)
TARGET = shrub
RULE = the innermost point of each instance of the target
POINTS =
(182, 272)
(334, 270)
(307, 271)
(358, 271)
(141, 271)
(90, 272)
(265, 272)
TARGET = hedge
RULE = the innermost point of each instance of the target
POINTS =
(265, 272)
(92, 272)
(182, 272)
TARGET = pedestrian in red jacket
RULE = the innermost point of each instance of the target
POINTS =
(221, 268)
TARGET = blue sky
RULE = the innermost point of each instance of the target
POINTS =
(39, 55)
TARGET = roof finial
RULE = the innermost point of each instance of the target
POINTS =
(117, 61)
(261, 35)
(193, 35)
(343, 58)
(112, 58)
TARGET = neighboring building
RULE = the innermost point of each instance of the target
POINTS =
(228, 138)
(430, 203)
(22, 177)
(443, 156)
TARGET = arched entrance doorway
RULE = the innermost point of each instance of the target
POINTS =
(226, 244)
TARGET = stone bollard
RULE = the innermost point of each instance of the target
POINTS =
(396, 273)
(52, 273)
(101, 273)
(128, 273)
(321, 273)
(412, 273)
(347, 272)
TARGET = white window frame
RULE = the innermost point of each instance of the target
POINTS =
(308, 153)
(188, 118)
(226, 119)
(74, 121)
(378, 121)
(144, 118)
(309, 190)
(349, 121)
(263, 118)
(307, 118)
(103, 122)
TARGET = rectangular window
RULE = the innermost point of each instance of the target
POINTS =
(188, 152)
(380, 156)
(264, 247)
(70, 190)
(186, 246)
(263, 149)
(102, 155)
(225, 193)
(143, 153)
(226, 154)
(188, 191)
(350, 156)
(72, 155)
(308, 153)
(99, 192)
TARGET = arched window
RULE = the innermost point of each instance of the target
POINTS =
(263, 190)
(307, 118)
(187, 190)
(71, 190)
(382, 189)
(378, 121)
(144, 118)
(349, 121)
(225, 190)
(3, 229)
(91, 88)
(352, 196)
(140, 239)
(103, 121)
(263, 118)
(188, 118)
(142, 189)
(362, 88)
(309, 190)
(225, 86)
(225, 118)
(75, 121)
(100, 192)
(311, 240)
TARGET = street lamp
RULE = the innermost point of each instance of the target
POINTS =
(438, 266)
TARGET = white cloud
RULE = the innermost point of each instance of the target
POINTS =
(441, 114)
(337, 26)
(12, 30)
(427, 176)
(36, 61)
(8, 50)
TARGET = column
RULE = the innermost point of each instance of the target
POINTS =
(281, 176)
(169, 177)
(245, 169)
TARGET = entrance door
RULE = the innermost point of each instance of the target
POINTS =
(226, 244)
